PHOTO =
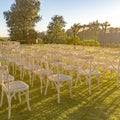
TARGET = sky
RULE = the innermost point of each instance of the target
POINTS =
(73, 11)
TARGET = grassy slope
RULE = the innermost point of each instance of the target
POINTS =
(100, 105)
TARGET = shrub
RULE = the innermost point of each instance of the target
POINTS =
(22, 41)
(89, 43)
(112, 45)
(2, 39)
(72, 40)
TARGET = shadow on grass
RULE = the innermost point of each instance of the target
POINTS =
(100, 105)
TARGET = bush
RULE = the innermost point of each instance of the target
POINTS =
(113, 45)
(69, 40)
(72, 40)
(89, 43)
(22, 41)
(2, 39)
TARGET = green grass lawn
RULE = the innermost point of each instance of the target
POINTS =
(102, 104)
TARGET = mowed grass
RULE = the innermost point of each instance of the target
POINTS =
(102, 104)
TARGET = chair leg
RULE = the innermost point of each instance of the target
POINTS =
(104, 73)
(9, 107)
(70, 87)
(30, 76)
(13, 68)
(21, 72)
(99, 82)
(89, 82)
(111, 73)
(41, 82)
(19, 96)
(32, 81)
(78, 76)
(46, 87)
(27, 99)
(2, 95)
(53, 84)
(58, 89)
(117, 79)
(40, 77)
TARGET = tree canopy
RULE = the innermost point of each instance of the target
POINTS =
(75, 29)
(21, 19)
(56, 32)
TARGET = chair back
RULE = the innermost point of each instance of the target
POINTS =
(113, 60)
(4, 76)
(85, 63)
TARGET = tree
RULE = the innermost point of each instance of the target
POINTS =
(104, 26)
(75, 29)
(95, 27)
(56, 32)
(21, 19)
(69, 32)
(42, 35)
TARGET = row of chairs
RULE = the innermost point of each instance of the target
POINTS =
(53, 67)
(30, 67)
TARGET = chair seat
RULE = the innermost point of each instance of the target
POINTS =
(56, 63)
(43, 72)
(35, 67)
(95, 72)
(98, 63)
(112, 67)
(19, 63)
(69, 67)
(16, 86)
(83, 72)
(60, 78)
(31, 67)
(87, 72)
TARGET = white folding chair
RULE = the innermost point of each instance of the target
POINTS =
(85, 68)
(12, 88)
(57, 79)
